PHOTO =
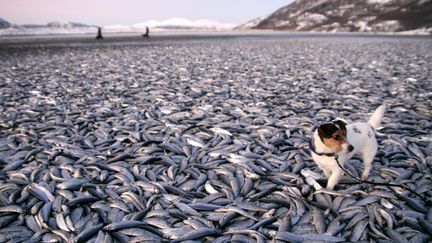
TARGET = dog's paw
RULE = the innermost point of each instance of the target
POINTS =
(330, 187)
(364, 176)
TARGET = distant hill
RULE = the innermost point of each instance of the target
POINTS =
(58, 27)
(350, 16)
(4, 24)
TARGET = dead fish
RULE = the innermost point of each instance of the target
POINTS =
(61, 223)
(367, 200)
(81, 200)
(71, 184)
(197, 234)
(41, 192)
(11, 209)
(220, 131)
(13, 165)
(236, 210)
(319, 221)
(358, 230)
(123, 225)
(186, 208)
(290, 237)
(413, 203)
(87, 233)
(396, 236)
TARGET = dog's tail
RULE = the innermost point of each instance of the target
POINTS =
(375, 119)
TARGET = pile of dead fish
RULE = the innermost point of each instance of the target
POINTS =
(208, 141)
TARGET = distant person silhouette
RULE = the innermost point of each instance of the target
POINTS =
(99, 35)
(146, 34)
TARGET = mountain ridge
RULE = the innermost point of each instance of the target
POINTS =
(4, 24)
(350, 16)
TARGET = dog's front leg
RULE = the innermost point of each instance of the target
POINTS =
(334, 179)
(327, 172)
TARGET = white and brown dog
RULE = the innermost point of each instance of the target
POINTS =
(337, 140)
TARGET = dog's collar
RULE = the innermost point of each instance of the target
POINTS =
(313, 149)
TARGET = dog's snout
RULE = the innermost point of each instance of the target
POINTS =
(350, 148)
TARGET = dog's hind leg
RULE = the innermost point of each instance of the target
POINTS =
(367, 157)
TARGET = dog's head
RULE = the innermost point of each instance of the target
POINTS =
(334, 135)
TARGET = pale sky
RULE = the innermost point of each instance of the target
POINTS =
(127, 12)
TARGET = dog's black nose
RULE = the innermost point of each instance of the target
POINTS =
(350, 148)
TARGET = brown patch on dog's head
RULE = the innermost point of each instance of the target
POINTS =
(333, 135)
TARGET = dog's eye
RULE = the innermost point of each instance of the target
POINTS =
(337, 137)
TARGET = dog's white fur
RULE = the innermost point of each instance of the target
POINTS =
(361, 136)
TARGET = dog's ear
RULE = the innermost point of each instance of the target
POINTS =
(341, 124)
(326, 130)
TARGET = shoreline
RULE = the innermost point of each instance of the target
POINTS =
(182, 35)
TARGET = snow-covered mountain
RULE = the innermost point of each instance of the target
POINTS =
(66, 27)
(172, 24)
(351, 15)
